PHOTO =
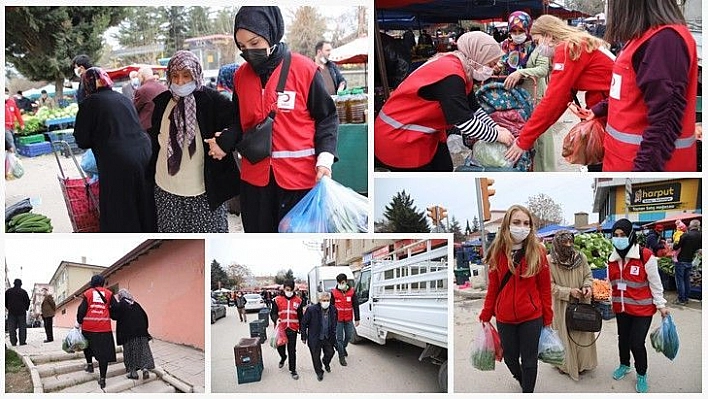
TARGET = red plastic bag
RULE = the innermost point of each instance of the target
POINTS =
(281, 338)
(584, 143)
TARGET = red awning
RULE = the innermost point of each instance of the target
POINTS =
(671, 220)
(123, 72)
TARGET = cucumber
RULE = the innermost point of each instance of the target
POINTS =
(33, 218)
(18, 217)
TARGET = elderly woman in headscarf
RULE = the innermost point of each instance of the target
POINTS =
(225, 79)
(132, 333)
(410, 132)
(108, 124)
(571, 281)
(637, 294)
(305, 122)
(191, 187)
(94, 319)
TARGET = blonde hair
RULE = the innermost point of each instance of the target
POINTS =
(503, 243)
(548, 25)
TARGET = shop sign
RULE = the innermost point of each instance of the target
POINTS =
(656, 197)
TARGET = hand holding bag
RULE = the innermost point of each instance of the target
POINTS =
(257, 142)
(582, 317)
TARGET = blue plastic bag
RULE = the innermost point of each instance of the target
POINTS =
(328, 208)
(88, 163)
(665, 338)
(550, 347)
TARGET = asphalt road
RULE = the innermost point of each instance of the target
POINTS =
(682, 375)
(393, 367)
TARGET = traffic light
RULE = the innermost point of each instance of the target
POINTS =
(487, 192)
(433, 214)
(442, 213)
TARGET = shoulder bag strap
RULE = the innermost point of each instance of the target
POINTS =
(103, 298)
(570, 336)
(284, 70)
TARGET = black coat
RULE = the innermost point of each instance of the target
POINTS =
(16, 301)
(108, 123)
(132, 321)
(215, 112)
(311, 324)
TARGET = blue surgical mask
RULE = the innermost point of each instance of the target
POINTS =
(183, 90)
(621, 243)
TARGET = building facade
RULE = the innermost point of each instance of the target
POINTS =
(70, 276)
(36, 299)
(352, 252)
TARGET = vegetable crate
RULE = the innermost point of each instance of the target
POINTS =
(59, 123)
(605, 309)
(248, 352)
(62, 135)
(246, 374)
(264, 314)
(80, 195)
(599, 274)
(34, 149)
(31, 139)
(258, 330)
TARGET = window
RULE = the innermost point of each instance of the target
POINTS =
(362, 288)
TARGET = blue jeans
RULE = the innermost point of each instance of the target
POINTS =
(683, 279)
(345, 331)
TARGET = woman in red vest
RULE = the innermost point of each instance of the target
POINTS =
(304, 137)
(410, 132)
(637, 293)
(651, 117)
(519, 293)
(579, 62)
(94, 319)
(286, 313)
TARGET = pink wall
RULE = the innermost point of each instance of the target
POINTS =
(168, 282)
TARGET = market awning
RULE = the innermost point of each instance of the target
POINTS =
(354, 52)
(671, 220)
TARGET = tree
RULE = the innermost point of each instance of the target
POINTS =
(282, 276)
(198, 23)
(174, 28)
(475, 224)
(456, 230)
(468, 229)
(403, 216)
(307, 28)
(545, 210)
(218, 276)
(40, 42)
(140, 29)
(591, 7)
(382, 226)
(223, 22)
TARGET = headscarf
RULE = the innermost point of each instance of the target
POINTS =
(568, 257)
(626, 226)
(183, 118)
(91, 76)
(681, 226)
(474, 49)
(266, 22)
(125, 294)
(517, 55)
(225, 79)
(97, 281)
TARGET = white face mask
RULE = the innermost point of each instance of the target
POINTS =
(518, 39)
(323, 59)
(324, 305)
(77, 72)
(183, 90)
(342, 286)
(289, 294)
(482, 75)
(519, 234)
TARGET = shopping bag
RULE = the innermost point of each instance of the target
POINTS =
(88, 163)
(665, 338)
(583, 145)
(15, 167)
(280, 337)
(487, 348)
(490, 154)
(74, 341)
(550, 347)
(328, 208)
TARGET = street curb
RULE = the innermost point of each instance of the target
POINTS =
(172, 380)
(470, 294)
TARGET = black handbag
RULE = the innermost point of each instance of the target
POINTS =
(257, 142)
(582, 317)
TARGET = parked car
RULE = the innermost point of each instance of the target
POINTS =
(217, 311)
(254, 302)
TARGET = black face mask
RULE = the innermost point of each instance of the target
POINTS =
(255, 57)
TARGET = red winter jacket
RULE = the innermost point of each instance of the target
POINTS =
(522, 299)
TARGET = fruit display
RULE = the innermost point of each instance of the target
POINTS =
(29, 222)
(601, 290)
(595, 247)
(33, 125)
(44, 113)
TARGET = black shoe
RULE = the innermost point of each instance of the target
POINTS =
(294, 375)
(342, 361)
(327, 368)
(48, 340)
(281, 364)
(345, 352)
(133, 375)
(23, 343)
(146, 374)
(320, 377)
(102, 382)
(89, 368)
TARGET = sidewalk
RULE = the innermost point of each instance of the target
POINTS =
(178, 366)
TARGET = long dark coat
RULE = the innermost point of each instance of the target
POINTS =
(132, 321)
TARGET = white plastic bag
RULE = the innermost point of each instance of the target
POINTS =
(74, 341)
(328, 208)
(550, 347)
(490, 155)
(15, 166)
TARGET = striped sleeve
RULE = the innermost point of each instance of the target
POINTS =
(479, 128)
(479, 113)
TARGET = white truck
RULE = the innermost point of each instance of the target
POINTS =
(404, 297)
(324, 279)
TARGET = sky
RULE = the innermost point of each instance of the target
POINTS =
(35, 260)
(457, 193)
(266, 256)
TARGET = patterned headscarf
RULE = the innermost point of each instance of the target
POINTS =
(566, 256)
(125, 294)
(225, 80)
(474, 49)
(517, 55)
(91, 76)
(183, 118)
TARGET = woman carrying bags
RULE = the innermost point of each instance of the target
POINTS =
(637, 294)
(571, 281)
(519, 293)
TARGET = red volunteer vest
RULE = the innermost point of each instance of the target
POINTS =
(408, 128)
(287, 311)
(627, 117)
(343, 303)
(98, 317)
(293, 155)
(637, 297)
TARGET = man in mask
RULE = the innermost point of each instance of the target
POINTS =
(286, 313)
(318, 330)
(130, 87)
(81, 63)
(347, 305)
(334, 81)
